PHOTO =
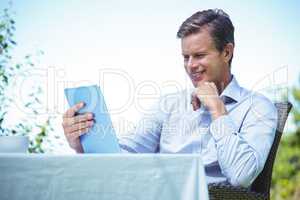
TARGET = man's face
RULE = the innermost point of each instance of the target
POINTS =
(202, 61)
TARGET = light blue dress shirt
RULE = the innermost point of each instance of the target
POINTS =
(233, 147)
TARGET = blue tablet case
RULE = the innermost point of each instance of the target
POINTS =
(101, 138)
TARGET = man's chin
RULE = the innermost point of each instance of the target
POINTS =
(196, 83)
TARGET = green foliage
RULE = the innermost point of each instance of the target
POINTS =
(37, 131)
(6, 71)
(286, 172)
(36, 143)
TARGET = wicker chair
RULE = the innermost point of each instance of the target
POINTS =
(260, 188)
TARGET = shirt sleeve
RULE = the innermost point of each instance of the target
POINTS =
(242, 151)
(145, 137)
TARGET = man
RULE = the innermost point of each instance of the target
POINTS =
(230, 127)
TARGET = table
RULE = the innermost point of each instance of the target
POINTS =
(102, 176)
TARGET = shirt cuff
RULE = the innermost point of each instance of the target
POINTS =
(222, 126)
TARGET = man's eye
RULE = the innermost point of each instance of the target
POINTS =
(186, 58)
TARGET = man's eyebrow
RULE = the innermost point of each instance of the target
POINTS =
(197, 52)
(201, 52)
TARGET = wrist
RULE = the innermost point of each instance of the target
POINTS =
(77, 148)
(218, 109)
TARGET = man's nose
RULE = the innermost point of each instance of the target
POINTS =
(191, 63)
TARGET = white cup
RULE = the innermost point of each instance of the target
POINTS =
(14, 144)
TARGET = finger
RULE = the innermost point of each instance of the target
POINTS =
(214, 86)
(202, 83)
(80, 118)
(78, 126)
(74, 135)
(209, 84)
(71, 111)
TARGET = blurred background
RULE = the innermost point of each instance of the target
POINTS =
(129, 48)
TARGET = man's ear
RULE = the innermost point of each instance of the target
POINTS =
(228, 52)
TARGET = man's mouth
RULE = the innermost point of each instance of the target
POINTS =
(197, 76)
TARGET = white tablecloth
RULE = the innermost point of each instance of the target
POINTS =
(102, 176)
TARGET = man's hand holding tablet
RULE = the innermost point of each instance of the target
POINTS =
(88, 114)
(76, 125)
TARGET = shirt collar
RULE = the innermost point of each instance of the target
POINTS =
(232, 91)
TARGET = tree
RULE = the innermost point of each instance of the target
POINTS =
(296, 115)
(286, 174)
(8, 73)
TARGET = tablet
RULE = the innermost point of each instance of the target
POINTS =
(101, 138)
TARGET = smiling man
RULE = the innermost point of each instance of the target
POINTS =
(231, 128)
